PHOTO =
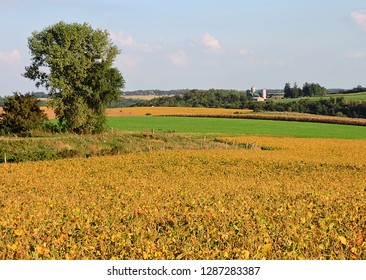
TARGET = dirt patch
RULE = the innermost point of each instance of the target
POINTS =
(49, 112)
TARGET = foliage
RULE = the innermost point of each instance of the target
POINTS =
(357, 89)
(302, 201)
(21, 114)
(329, 107)
(308, 90)
(238, 100)
(213, 98)
(68, 146)
(75, 63)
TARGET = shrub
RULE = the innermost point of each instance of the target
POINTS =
(21, 115)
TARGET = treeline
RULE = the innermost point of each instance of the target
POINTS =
(213, 98)
(308, 90)
(328, 107)
(233, 99)
(357, 89)
(156, 92)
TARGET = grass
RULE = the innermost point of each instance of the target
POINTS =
(158, 111)
(360, 96)
(116, 143)
(236, 127)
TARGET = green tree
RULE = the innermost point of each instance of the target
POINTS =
(288, 90)
(313, 89)
(306, 90)
(318, 90)
(21, 114)
(75, 63)
(296, 91)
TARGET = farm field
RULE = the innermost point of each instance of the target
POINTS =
(349, 96)
(300, 198)
(146, 97)
(155, 111)
(361, 96)
(236, 126)
(190, 188)
(158, 111)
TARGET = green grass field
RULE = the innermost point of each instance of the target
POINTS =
(361, 96)
(236, 127)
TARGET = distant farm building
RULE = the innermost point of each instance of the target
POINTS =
(262, 96)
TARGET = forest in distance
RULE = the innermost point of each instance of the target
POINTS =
(232, 99)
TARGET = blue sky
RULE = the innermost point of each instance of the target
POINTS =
(231, 44)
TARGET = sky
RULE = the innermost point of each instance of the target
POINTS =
(203, 44)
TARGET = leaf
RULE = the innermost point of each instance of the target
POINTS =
(267, 248)
(343, 240)
(246, 254)
(331, 226)
(18, 232)
(359, 239)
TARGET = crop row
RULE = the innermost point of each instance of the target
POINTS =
(303, 200)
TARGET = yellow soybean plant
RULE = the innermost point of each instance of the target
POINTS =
(290, 198)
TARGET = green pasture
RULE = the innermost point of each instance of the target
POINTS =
(235, 127)
(361, 96)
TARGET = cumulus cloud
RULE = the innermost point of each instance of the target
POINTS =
(178, 58)
(9, 3)
(130, 62)
(121, 39)
(360, 18)
(356, 55)
(128, 42)
(10, 58)
(211, 43)
(245, 51)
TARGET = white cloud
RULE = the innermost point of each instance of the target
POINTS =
(211, 43)
(128, 42)
(245, 51)
(10, 58)
(147, 47)
(7, 3)
(121, 39)
(178, 58)
(129, 62)
(360, 18)
(356, 55)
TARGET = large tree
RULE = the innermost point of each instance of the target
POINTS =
(75, 63)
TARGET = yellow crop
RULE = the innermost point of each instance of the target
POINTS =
(300, 199)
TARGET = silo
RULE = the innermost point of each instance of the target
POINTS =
(253, 89)
(264, 93)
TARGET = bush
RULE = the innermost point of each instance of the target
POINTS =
(21, 115)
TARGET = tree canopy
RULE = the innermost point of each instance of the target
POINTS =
(308, 90)
(75, 63)
(21, 114)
